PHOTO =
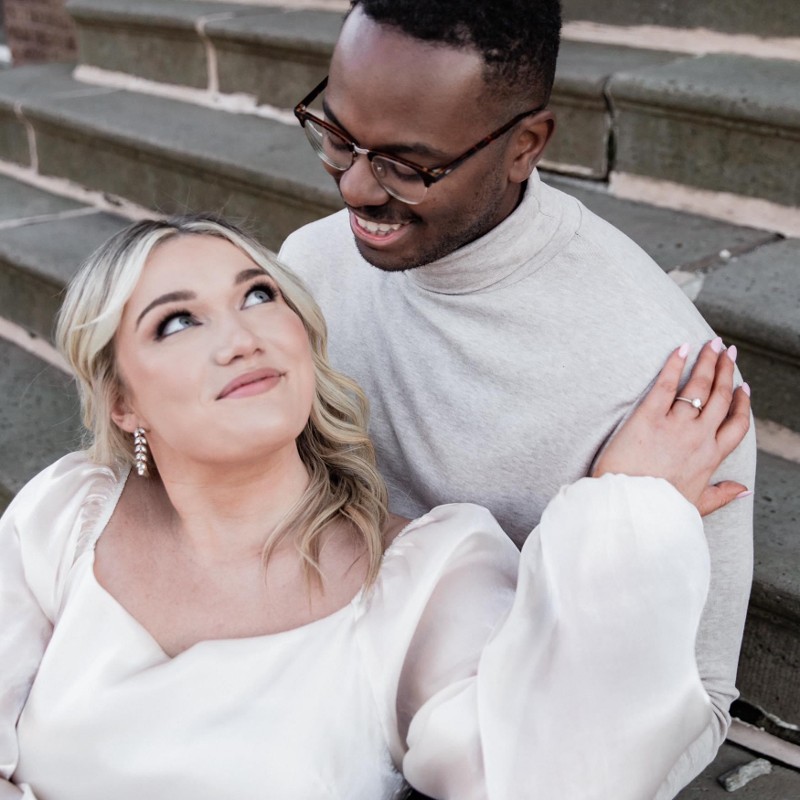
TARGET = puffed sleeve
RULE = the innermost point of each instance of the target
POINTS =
(582, 685)
(40, 534)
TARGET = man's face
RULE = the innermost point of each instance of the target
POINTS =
(426, 103)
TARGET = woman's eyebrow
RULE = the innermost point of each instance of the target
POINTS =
(169, 297)
(247, 274)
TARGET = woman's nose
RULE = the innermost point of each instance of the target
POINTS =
(359, 187)
(237, 340)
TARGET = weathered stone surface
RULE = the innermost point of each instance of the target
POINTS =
(780, 784)
(582, 141)
(278, 55)
(39, 417)
(674, 239)
(20, 201)
(758, 296)
(720, 122)
(37, 260)
(755, 302)
(769, 666)
(172, 156)
(780, 18)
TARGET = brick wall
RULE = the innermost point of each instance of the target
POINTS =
(38, 30)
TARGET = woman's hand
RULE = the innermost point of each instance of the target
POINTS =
(685, 440)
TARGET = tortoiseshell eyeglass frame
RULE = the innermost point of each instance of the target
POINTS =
(429, 175)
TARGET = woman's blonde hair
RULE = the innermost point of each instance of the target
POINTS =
(334, 446)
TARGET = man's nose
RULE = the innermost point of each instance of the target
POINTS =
(359, 186)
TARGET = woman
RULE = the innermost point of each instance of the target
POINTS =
(212, 600)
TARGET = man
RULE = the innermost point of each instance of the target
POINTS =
(501, 331)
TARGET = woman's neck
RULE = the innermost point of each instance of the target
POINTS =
(231, 508)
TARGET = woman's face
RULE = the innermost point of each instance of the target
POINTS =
(215, 366)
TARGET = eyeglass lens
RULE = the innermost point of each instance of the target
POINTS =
(397, 179)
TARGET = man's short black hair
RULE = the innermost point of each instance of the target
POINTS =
(518, 39)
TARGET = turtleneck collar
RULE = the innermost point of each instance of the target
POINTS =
(497, 256)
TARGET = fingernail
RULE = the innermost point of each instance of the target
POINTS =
(716, 345)
(732, 352)
(746, 388)
(683, 350)
(743, 494)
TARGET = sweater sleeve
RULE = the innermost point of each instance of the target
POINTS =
(587, 686)
(40, 534)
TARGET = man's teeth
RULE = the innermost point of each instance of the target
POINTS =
(378, 227)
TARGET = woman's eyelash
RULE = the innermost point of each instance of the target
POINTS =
(162, 325)
(265, 286)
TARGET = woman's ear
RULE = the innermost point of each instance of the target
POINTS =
(529, 144)
(123, 416)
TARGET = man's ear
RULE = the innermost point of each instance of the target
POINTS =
(529, 143)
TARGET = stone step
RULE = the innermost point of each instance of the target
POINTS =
(742, 17)
(613, 103)
(780, 784)
(769, 666)
(39, 417)
(43, 239)
(161, 154)
(720, 123)
(754, 302)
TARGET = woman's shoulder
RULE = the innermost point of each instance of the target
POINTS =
(62, 508)
(436, 543)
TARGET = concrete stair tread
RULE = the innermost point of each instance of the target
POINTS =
(781, 784)
(39, 417)
(757, 295)
(723, 85)
(776, 585)
(37, 259)
(20, 201)
(198, 136)
(276, 55)
(674, 239)
(749, 17)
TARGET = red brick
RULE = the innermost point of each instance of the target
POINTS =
(39, 30)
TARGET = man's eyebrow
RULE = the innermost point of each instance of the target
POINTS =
(169, 297)
(418, 148)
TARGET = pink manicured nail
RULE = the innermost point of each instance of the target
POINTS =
(716, 345)
(683, 350)
(732, 352)
(748, 493)
(746, 388)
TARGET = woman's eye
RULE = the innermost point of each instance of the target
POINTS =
(175, 323)
(258, 295)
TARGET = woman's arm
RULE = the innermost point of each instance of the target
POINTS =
(24, 633)
(589, 687)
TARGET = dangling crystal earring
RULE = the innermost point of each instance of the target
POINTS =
(140, 452)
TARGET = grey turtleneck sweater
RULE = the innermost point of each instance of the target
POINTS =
(496, 374)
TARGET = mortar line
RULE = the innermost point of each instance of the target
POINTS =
(30, 135)
(236, 103)
(212, 63)
(21, 222)
(691, 41)
(101, 201)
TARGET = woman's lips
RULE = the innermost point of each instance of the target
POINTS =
(251, 383)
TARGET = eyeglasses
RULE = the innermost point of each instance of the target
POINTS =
(404, 180)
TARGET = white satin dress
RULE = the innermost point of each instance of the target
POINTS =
(581, 685)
